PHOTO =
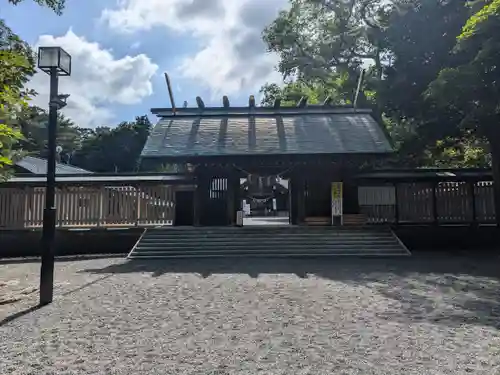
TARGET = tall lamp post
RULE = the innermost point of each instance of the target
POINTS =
(55, 62)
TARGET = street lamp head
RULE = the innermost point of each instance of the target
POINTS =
(54, 58)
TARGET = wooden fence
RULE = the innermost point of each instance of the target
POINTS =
(427, 203)
(153, 205)
(89, 207)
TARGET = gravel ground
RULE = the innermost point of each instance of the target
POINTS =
(421, 315)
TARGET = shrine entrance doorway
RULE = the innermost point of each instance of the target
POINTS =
(265, 200)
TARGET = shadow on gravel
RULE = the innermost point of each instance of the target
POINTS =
(18, 314)
(444, 289)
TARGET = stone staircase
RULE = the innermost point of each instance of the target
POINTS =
(178, 242)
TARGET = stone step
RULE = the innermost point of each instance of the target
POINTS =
(294, 241)
(265, 229)
(146, 245)
(270, 235)
(266, 247)
(265, 239)
(264, 254)
(262, 228)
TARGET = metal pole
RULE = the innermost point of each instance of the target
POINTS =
(49, 214)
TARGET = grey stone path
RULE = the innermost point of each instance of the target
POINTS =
(266, 221)
(428, 315)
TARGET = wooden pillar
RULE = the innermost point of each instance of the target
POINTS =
(293, 200)
(434, 203)
(301, 214)
(200, 196)
(233, 185)
(472, 194)
(298, 199)
(237, 195)
(196, 205)
(396, 204)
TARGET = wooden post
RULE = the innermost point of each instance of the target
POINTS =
(196, 205)
(434, 204)
(293, 200)
(138, 206)
(199, 199)
(396, 206)
(300, 187)
(230, 200)
(233, 197)
(100, 209)
(472, 194)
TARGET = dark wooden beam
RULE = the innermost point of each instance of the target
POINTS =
(225, 101)
(302, 102)
(251, 101)
(277, 103)
(200, 103)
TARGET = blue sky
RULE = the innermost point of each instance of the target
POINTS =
(121, 48)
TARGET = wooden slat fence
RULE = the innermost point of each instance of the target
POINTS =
(426, 202)
(89, 207)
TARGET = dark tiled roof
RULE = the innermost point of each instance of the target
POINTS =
(101, 179)
(38, 166)
(425, 173)
(314, 132)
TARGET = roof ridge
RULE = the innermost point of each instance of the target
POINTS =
(257, 111)
(196, 136)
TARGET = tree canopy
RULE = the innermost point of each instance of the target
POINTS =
(402, 46)
(431, 71)
(17, 65)
(430, 75)
(56, 5)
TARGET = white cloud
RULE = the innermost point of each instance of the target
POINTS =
(97, 80)
(232, 58)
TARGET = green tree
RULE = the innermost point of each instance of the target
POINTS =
(472, 88)
(338, 88)
(12, 104)
(425, 131)
(34, 125)
(323, 44)
(317, 37)
(114, 150)
(56, 5)
(17, 65)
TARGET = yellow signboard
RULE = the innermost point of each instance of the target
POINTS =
(336, 200)
(336, 190)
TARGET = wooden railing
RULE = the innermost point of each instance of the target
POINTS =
(89, 207)
(425, 203)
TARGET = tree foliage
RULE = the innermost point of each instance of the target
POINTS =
(317, 37)
(17, 65)
(114, 150)
(426, 131)
(56, 5)
(324, 42)
(339, 88)
(12, 104)
(472, 87)
(34, 127)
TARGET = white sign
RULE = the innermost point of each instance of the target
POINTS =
(336, 200)
(337, 208)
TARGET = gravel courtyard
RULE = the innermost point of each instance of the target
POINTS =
(420, 315)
